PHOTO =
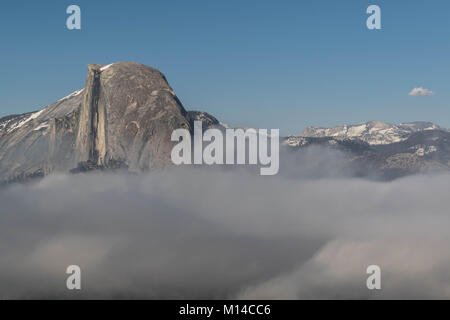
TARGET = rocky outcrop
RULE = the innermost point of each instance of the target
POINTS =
(37, 143)
(123, 118)
(90, 143)
(208, 121)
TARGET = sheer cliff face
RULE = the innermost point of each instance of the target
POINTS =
(123, 117)
(128, 114)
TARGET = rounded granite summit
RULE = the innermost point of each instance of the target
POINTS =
(128, 114)
(124, 117)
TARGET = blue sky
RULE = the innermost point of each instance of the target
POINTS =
(268, 64)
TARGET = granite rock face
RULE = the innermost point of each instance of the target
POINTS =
(123, 118)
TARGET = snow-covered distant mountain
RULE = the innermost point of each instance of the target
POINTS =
(373, 132)
(381, 149)
(421, 149)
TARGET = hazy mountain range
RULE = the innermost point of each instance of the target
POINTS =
(387, 150)
(124, 117)
(373, 132)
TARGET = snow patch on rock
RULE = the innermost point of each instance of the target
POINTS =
(73, 94)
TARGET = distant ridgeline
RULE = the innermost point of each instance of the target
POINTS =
(124, 118)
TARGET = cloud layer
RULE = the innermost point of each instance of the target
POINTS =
(225, 234)
(416, 92)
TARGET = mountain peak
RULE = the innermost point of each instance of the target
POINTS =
(378, 124)
(124, 117)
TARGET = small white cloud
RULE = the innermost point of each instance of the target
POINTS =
(416, 92)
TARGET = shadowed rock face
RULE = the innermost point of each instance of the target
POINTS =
(124, 117)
